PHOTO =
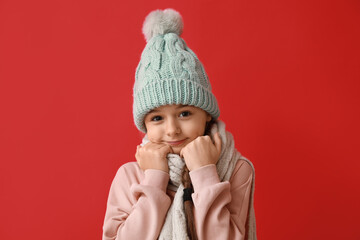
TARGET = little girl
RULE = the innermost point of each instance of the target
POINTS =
(189, 181)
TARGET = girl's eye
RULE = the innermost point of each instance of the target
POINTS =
(156, 118)
(185, 114)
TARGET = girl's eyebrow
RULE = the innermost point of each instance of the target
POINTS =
(182, 106)
(152, 111)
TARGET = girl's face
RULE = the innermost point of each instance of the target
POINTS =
(176, 125)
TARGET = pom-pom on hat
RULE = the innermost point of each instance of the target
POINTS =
(161, 22)
(169, 72)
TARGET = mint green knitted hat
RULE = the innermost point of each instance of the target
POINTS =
(169, 72)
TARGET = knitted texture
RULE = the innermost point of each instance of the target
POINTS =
(175, 223)
(169, 73)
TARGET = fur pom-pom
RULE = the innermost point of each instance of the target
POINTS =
(160, 22)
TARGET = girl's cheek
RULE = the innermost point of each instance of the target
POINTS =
(200, 132)
(152, 139)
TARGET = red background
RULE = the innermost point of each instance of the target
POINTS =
(286, 75)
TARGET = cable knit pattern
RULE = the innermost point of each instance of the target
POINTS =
(175, 222)
(170, 73)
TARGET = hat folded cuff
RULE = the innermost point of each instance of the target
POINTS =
(173, 91)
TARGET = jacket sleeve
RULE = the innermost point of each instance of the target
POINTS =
(136, 209)
(220, 208)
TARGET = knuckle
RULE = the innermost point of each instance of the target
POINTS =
(189, 145)
(204, 138)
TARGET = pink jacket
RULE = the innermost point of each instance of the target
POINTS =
(138, 202)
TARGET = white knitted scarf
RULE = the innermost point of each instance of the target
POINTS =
(175, 222)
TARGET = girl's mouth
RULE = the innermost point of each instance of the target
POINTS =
(176, 143)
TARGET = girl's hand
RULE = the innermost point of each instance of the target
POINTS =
(153, 156)
(201, 151)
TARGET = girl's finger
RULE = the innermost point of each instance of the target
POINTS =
(181, 153)
(167, 148)
(171, 150)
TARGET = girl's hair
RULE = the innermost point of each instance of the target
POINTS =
(189, 205)
(209, 126)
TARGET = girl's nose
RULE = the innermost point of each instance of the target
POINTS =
(172, 127)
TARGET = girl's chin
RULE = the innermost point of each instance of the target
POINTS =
(177, 150)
